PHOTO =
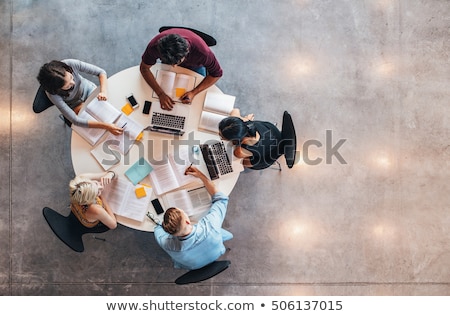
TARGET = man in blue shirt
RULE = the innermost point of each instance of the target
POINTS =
(193, 246)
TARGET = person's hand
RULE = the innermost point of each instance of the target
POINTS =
(115, 130)
(166, 102)
(187, 97)
(193, 171)
(249, 117)
(107, 178)
(102, 96)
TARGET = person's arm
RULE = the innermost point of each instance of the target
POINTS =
(209, 185)
(166, 102)
(112, 128)
(104, 214)
(103, 80)
(207, 82)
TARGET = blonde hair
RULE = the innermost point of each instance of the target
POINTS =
(82, 191)
(172, 220)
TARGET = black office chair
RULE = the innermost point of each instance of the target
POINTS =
(41, 101)
(69, 229)
(205, 273)
(209, 40)
(288, 144)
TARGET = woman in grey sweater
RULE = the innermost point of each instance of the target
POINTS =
(68, 90)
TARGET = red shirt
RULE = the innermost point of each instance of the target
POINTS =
(199, 53)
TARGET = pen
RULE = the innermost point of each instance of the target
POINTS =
(124, 124)
(185, 172)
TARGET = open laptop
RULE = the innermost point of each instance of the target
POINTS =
(169, 122)
(216, 159)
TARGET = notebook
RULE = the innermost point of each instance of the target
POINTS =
(169, 122)
(216, 159)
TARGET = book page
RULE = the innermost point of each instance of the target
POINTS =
(163, 178)
(179, 199)
(166, 80)
(102, 111)
(180, 161)
(209, 121)
(219, 102)
(120, 196)
(183, 83)
(123, 142)
(200, 199)
(91, 135)
(173, 84)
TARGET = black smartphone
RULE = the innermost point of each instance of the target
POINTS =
(157, 206)
(132, 101)
(147, 106)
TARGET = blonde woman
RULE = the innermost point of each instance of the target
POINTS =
(86, 200)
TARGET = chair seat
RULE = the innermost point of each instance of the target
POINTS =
(209, 40)
(68, 228)
(204, 273)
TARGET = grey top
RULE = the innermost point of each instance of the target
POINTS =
(82, 89)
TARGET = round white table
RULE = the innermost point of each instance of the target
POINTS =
(120, 85)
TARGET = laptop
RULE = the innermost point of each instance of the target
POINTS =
(169, 122)
(216, 159)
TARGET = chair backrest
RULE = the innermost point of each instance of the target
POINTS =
(289, 140)
(69, 229)
(41, 101)
(204, 273)
(209, 40)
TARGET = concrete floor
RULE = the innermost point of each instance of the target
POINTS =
(374, 73)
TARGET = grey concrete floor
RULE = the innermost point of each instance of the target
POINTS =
(374, 73)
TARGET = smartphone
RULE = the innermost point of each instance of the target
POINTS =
(132, 101)
(147, 106)
(157, 206)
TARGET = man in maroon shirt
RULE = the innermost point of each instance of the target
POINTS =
(180, 47)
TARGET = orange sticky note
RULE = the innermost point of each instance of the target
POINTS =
(127, 109)
(140, 192)
(179, 92)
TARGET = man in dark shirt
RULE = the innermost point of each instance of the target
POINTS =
(180, 47)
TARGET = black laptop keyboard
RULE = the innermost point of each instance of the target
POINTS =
(216, 159)
(168, 120)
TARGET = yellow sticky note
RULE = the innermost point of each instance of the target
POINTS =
(127, 109)
(139, 137)
(179, 92)
(140, 192)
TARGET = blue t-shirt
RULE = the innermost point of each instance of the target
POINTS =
(204, 244)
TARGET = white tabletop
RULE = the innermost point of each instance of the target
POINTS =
(131, 81)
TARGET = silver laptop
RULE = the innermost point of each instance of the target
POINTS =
(169, 122)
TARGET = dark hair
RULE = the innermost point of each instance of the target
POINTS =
(52, 77)
(235, 129)
(172, 48)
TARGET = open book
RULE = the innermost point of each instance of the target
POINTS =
(173, 84)
(107, 152)
(216, 107)
(168, 174)
(121, 196)
(192, 202)
(96, 110)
